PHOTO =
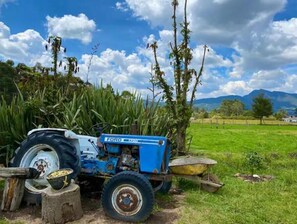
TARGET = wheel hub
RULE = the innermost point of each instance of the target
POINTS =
(45, 160)
(127, 200)
(41, 165)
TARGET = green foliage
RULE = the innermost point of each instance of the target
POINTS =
(253, 161)
(71, 66)
(200, 113)
(279, 115)
(231, 108)
(2, 184)
(55, 43)
(261, 107)
(15, 120)
(8, 76)
(175, 96)
(78, 111)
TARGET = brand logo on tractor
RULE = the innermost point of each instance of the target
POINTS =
(113, 139)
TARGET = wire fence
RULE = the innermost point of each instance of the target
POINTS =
(221, 121)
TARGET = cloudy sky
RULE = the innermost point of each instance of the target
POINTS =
(252, 44)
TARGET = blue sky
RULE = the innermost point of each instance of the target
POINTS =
(253, 44)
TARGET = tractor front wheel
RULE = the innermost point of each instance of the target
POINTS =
(128, 196)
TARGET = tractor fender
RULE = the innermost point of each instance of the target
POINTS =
(67, 133)
(84, 144)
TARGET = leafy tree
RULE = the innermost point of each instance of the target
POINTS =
(200, 113)
(295, 112)
(261, 107)
(175, 95)
(8, 77)
(231, 107)
(10, 63)
(280, 114)
(127, 95)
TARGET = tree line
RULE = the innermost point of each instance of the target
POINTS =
(261, 107)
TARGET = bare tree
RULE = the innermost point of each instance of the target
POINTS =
(175, 95)
(94, 51)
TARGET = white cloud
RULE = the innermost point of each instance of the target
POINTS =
(26, 47)
(4, 31)
(132, 71)
(122, 6)
(155, 12)
(229, 18)
(124, 72)
(234, 88)
(262, 46)
(72, 27)
(212, 59)
(290, 84)
(268, 79)
(268, 49)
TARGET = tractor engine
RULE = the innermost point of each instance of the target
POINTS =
(129, 159)
(110, 154)
(111, 159)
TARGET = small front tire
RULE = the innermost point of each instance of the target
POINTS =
(128, 196)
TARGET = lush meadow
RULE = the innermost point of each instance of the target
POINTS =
(239, 201)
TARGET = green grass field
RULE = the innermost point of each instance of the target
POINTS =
(239, 201)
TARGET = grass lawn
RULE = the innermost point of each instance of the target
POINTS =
(238, 201)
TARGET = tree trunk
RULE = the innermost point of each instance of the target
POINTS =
(181, 140)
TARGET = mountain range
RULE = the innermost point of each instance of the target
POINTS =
(280, 100)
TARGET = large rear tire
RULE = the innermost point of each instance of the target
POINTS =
(45, 151)
(128, 196)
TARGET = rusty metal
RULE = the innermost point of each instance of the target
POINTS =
(127, 201)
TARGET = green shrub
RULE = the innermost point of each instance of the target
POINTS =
(254, 161)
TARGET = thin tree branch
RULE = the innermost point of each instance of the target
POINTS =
(197, 81)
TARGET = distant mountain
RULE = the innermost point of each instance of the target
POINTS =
(280, 100)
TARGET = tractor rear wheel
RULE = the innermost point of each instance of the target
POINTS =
(45, 151)
(128, 196)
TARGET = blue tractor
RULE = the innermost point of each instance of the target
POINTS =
(135, 166)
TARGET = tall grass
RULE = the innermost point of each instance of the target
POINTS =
(79, 113)
(15, 119)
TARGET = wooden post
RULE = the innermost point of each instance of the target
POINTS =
(61, 206)
(14, 186)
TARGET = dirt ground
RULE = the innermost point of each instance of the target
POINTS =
(254, 178)
(165, 211)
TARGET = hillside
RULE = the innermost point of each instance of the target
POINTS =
(280, 100)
